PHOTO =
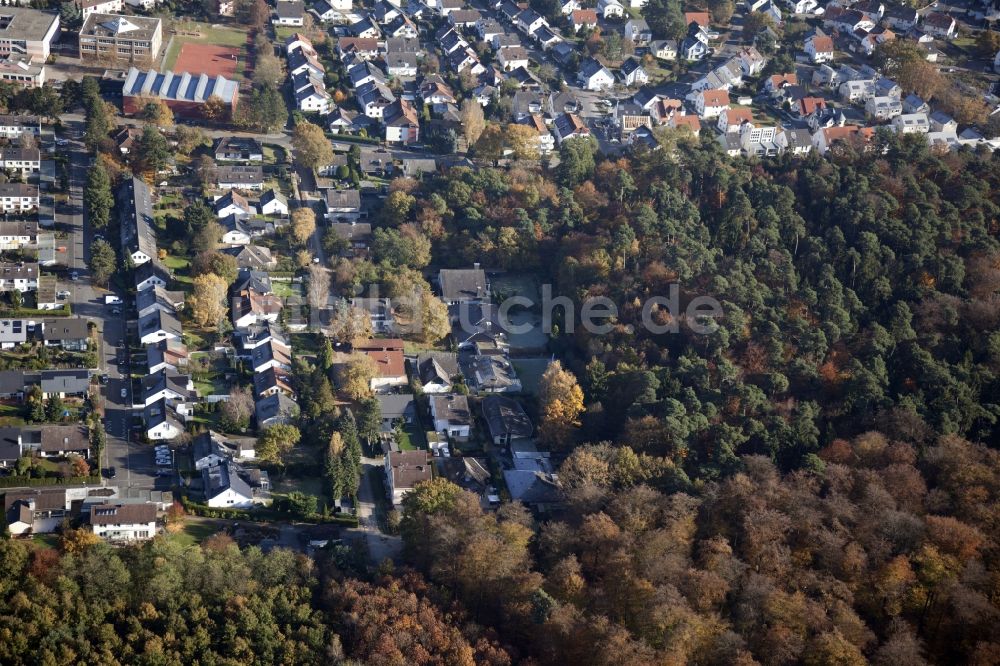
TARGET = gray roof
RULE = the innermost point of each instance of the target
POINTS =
(342, 199)
(67, 328)
(121, 27)
(181, 87)
(532, 487)
(158, 296)
(219, 478)
(158, 320)
(13, 331)
(135, 215)
(272, 408)
(506, 417)
(432, 365)
(454, 408)
(12, 381)
(150, 268)
(165, 379)
(395, 405)
(65, 381)
(290, 9)
(273, 195)
(463, 284)
(240, 174)
(26, 24)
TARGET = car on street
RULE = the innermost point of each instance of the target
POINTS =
(124, 393)
(116, 311)
(74, 275)
(111, 472)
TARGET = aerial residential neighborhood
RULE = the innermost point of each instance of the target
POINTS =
(621, 321)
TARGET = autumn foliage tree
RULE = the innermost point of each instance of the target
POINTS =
(560, 400)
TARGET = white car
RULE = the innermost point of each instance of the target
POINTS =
(124, 393)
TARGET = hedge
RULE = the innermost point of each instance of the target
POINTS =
(263, 515)
(31, 482)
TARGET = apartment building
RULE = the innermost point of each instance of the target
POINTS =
(18, 198)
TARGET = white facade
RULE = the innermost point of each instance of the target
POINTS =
(230, 499)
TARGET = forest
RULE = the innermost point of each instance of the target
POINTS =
(815, 482)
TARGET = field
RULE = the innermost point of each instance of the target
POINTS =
(199, 48)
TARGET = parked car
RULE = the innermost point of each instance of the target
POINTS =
(111, 472)
(124, 393)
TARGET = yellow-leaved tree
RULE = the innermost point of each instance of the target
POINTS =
(561, 400)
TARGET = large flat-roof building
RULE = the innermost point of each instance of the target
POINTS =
(112, 37)
(24, 73)
(184, 93)
(27, 33)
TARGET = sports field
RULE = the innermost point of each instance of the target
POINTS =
(200, 48)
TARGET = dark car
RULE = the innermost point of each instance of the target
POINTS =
(111, 472)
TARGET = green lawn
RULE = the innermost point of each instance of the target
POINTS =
(46, 540)
(529, 371)
(10, 415)
(284, 289)
(411, 439)
(283, 32)
(194, 533)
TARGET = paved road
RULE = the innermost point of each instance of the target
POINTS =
(133, 463)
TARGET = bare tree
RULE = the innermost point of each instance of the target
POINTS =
(319, 289)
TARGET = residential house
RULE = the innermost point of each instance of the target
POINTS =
(583, 19)
(942, 122)
(313, 97)
(751, 61)
(17, 198)
(913, 103)
(664, 49)
(273, 202)
(342, 204)
(289, 13)
(401, 65)
(151, 274)
(121, 522)
(638, 31)
(402, 126)
(506, 419)
(435, 371)
(273, 354)
(373, 98)
(13, 126)
(158, 298)
(633, 73)
(452, 416)
(390, 367)
(489, 373)
(240, 177)
(161, 421)
(610, 9)
(358, 49)
(13, 333)
(171, 355)
(731, 120)
(695, 44)
(37, 510)
(396, 409)
(232, 203)
(253, 257)
(64, 383)
(901, 17)
(135, 217)
(18, 277)
(569, 126)
(379, 312)
(274, 410)
(20, 159)
(57, 441)
(939, 25)
(165, 385)
(69, 333)
(250, 307)
(16, 234)
(819, 48)
(883, 107)
(159, 325)
(239, 149)
(512, 58)
(809, 106)
(331, 11)
(912, 123)
(546, 142)
(272, 382)
(858, 91)
(235, 231)
(403, 471)
(463, 285)
(595, 76)
(225, 488)
(710, 103)
(528, 21)
(825, 137)
(302, 59)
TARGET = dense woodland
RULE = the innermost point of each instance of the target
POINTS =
(812, 483)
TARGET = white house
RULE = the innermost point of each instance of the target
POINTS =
(638, 31)
(610, 9)
(819, 48)
(273, 202)
(119, 522)
(314, 99)
(912, 123)
(161, 421)
(403, 471)
(452, 416)
(595, 76)
(633, 73)
(940, 25)
(883, 107)
(225, 488)
(710, 103)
